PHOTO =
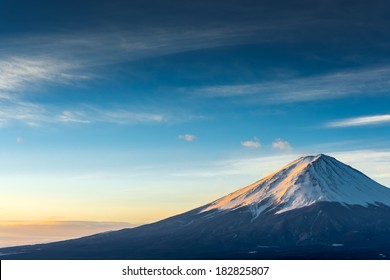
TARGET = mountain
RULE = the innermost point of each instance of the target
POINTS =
(313, 208)
(303, 182)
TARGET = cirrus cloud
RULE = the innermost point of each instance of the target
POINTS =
(361, 121)
(21, 73)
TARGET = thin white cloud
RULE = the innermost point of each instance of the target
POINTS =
(361, 121)
(20, 73)
(372, 81)
(249, 167)
(14, 111)
(127, 44)
(241, 171)
(281, 144)
(187, 137)
(255, 143)
(22, 112)
(19, 140)
(373, 163)
(21, 76)
(72, 117)
(128, 116)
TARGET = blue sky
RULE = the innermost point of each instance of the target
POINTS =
(132, 111)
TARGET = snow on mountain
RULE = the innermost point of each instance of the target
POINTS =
(303, 182)
(343, 219)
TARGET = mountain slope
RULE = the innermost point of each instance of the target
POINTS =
(314, 208)
(303, 182)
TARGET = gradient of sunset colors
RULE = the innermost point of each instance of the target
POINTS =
(119, 113)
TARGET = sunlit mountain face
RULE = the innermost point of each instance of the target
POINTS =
(304, 182)
(313, 208)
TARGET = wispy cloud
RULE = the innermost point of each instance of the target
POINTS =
(255, 143)
(373, 81)
(106, 47)
(19, 73)
(373, 163)
(123, 116)
(34, 115)
(14, 111)
(23, 76)
(238, 167)
(145, 36)
(126, 43)
(128, 116)
(361, 121)
(72, 117)
(281, 144)
(187, 137)
(143, 30)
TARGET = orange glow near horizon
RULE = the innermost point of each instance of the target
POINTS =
(41, 230)
(43, 220)
(13, 233)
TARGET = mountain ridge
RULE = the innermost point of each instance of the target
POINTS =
(257, 230)
(290, 188)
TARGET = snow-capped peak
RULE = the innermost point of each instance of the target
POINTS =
(303, 182)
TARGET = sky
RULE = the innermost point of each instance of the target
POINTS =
(118, 113)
